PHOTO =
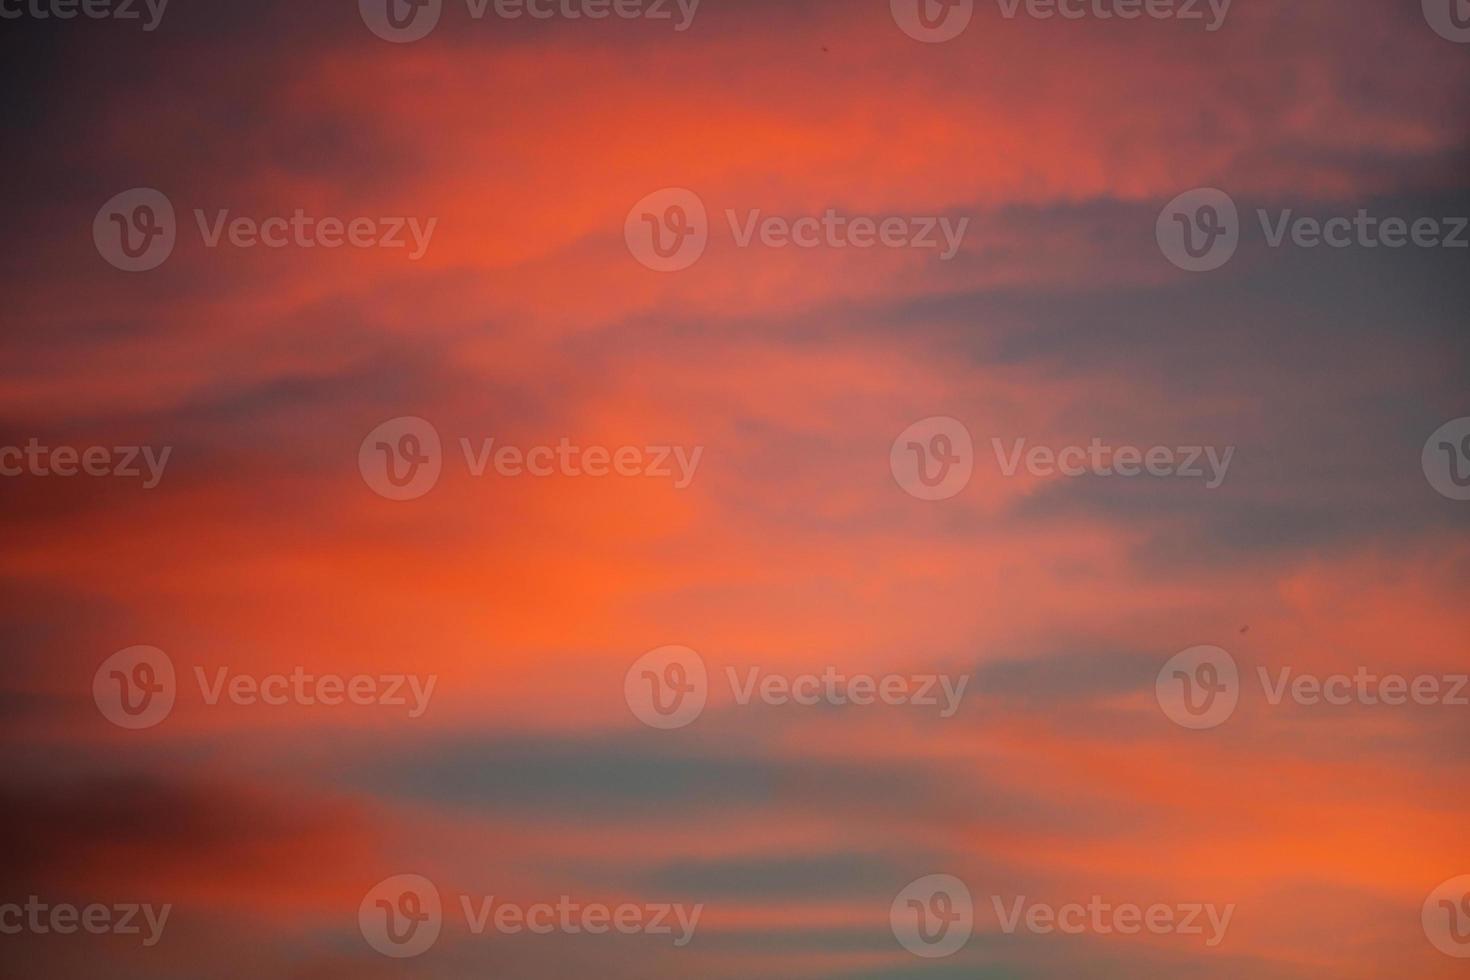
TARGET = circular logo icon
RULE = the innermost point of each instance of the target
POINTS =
(401, 459)
(1449, 18)
(667, 688)
(135, 231)
(1446, 917)
(1446, 459)
(1199, 687)
(934, 458)
(400, 21)
(135, 688)
(932, 21)
(1199, 230)
(668, 230)
(933, 916)
(401, 916)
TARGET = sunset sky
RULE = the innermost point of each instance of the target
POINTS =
(795, 544)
